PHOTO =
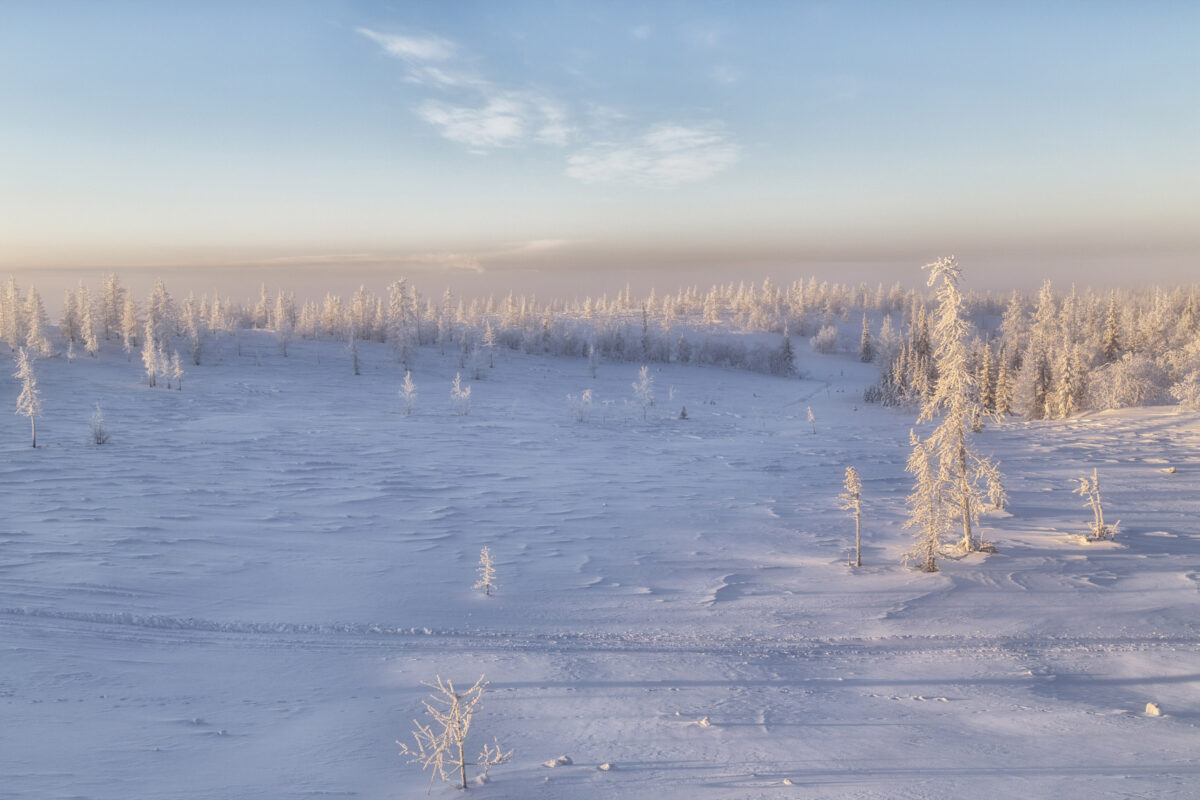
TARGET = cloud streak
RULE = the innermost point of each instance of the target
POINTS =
(666, 155)
(412, 48)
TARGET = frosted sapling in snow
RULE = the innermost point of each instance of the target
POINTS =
(1090, 488)
(29, 401)
(440, 746)
(812, 421)
(99, 432)
(460, 396)
(408, 390)
(579, 405)
(852, 501)
(486, 572)
(643, 390)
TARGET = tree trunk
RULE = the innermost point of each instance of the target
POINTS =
(857, 540)
(33, 428)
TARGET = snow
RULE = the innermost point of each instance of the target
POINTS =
(240, 594)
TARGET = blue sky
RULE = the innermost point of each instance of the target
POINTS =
(458, 135)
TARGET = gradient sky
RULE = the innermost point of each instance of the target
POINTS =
(463, 135)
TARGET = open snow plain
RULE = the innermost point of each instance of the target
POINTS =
(240, 595)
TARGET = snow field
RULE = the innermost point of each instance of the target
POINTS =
(240, 594)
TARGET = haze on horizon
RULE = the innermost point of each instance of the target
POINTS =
(1038, 140)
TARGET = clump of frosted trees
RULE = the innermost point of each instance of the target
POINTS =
(1053, 355)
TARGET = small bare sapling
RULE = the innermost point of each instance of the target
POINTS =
(99, 432)
(580, 405)
(487, 572)
(1090, 488)
(643, 390)
(440, 746)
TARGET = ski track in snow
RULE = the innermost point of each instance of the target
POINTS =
(240, 595)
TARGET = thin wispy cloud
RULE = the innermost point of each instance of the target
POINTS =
(665, 155)
(412, 48)
(502, 120)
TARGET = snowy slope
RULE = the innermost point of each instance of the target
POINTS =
(241, 593)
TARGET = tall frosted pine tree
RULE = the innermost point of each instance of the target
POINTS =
(966, 478)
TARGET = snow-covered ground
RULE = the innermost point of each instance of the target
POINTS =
(240, 594)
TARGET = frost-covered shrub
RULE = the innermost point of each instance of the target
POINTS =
(826, 340)
(579, 405)
(1135, 380)
(1187, 391)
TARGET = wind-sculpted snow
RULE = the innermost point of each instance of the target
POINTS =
(240, 594)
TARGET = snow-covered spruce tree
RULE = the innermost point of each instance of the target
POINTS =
(486, 572)
(352, 347)
(643, 390)
(408, 390)
(593, 358)
(36, 323)
(460, 396)
(812, 421)
(441, 745)
(851, 500)
(954, 397)
(866, 350)
(29, 401)
(783, 360)
(926, 507)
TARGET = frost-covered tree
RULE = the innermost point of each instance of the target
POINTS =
(460, 396)
(927, 515)
(150, 355)
(440, 745)
(826, 340)
(352, 347)
(36, 339)
(177, 372)
(129, 327)
(851, 499)
(866, 349)
(643, 390)
(486, 572)
(408, 391)
(593, 359)
(489, 343)
(954, 397)
(29, 401)
(88, 327)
